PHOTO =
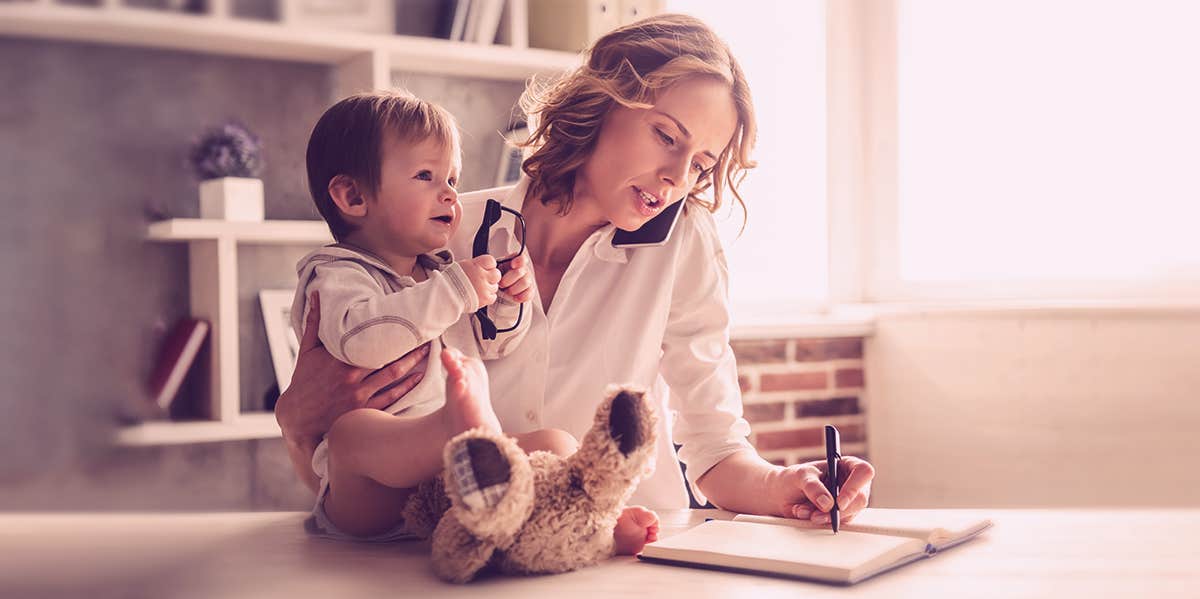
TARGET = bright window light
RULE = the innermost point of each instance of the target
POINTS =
(1048, 140)
(780, 258)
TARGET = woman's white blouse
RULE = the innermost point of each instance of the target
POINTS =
(657, 317)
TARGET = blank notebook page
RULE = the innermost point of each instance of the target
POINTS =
(843, 551)
(934, 525)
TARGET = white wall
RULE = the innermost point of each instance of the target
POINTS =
(1035, 408)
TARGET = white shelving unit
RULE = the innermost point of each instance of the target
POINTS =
(359, 62)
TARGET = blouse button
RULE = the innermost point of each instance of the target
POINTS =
(531, 416)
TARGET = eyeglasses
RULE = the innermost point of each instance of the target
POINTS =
(499, 246)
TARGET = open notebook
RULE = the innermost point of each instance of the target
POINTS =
(877, 540)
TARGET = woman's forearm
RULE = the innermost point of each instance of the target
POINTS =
(743, 482)
(301, 454)
(300, 442)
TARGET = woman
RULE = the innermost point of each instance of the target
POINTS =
(660, 111)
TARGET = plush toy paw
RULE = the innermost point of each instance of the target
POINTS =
(490, 485)
(619, 449)
(630, 420)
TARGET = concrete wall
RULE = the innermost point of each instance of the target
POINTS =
(1052, 408)
(92, 138)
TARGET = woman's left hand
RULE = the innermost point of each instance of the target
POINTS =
(517, 282)
(799, 492)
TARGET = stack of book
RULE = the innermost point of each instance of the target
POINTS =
(478, 21)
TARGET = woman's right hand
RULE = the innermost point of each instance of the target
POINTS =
(799, 490)
(323, 388)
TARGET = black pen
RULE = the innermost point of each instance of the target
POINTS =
(833, 452)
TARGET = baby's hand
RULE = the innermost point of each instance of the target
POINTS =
(517, 282)
(636, 526)
(484, 276)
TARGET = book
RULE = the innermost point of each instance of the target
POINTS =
(175, 359)
(458, 22)
(488, 24)
(514, 24)
(471, 27)
(876, 541)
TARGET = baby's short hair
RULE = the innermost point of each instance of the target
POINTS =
(348, 140)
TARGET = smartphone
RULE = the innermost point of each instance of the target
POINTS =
(656, 231)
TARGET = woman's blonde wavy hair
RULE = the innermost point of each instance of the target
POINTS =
(629, 66)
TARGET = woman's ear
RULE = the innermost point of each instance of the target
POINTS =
(347, 196)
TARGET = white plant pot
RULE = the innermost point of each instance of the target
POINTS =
(232, 198)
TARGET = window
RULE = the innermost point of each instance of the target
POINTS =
(1044, 148)
(779, 261)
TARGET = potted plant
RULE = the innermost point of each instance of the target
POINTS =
(227, 161)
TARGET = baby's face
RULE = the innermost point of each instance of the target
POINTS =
(416, 209)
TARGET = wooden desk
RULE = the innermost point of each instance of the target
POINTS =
(1029, 553)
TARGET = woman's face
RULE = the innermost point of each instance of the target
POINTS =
(647, 158)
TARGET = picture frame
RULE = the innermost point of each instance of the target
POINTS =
(281, 338)
(364, 16)
(509, 170)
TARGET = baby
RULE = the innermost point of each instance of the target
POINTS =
(382, 170)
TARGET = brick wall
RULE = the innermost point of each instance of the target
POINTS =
(792, 388)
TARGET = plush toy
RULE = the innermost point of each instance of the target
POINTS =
(537, 513)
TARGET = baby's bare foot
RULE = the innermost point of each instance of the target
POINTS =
(636, 526)
(468, 404)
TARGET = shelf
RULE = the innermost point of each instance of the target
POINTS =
(474, 60)
(251, 39)
(244, 426)
(266, 232)
(212, 271)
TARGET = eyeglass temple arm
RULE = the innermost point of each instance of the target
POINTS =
(520, 307)
(521, 220)
(491, 214)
